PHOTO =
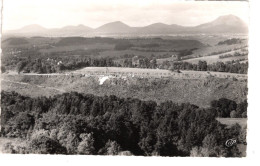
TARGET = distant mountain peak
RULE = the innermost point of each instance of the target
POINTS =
(158, 23)
(80, 26)
(113, 27)
(223, 24)
(115, 23)
(228, 16)
(229, 19)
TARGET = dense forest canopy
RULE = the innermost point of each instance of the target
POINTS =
(75, 123)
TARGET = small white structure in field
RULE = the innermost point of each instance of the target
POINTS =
(102, 79)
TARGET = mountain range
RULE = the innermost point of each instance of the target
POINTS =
(223, 24)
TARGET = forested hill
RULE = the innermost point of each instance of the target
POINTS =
(74, 123)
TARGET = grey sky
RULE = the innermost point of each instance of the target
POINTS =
(59, 13)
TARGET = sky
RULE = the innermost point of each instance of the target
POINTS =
(94, 13)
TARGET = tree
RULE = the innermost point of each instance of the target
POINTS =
(22, 123)
(244, 114)
(224, 106)
(242, 135)
(67, 137)
(75, 123)
(199, 152)
(242, 109)
(20, 65)
(209, 141)
(41, 143)
(178, 57)
(202, 66)
(233, 114)
(86, 146)
(153, 63)
(46, 145)
(113, 148)
(3, 70)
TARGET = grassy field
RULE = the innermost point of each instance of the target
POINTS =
(196, 91)
(203, 54)
(205, 51)
(157, 73)
(206, 39)
(231, 121)
(120, 70)
(215, 58)
(30, 89)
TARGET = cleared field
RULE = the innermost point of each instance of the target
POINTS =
(215, 58)
(196, 91)
(29, 89)
(120, 70)
(217, 48)
(184, 74)
(231, 121)
(212, 73)
(196, 57)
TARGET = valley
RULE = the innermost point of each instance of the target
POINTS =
(153, 90)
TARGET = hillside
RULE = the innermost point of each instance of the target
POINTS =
(223, 24)
(113, 28)
(196, 91)
(15, 41)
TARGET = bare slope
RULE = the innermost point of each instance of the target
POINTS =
(196, 91)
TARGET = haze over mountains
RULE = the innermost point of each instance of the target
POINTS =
(223, 24)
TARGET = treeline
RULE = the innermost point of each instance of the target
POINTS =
(59, 64)
(229, 109)
(56, 65)
(230, 41)
(74, 123)
(229, 67)
(233, 55)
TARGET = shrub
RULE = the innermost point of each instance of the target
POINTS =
(233, 114)
(112, 148)
(86, 145)
(46, 145)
